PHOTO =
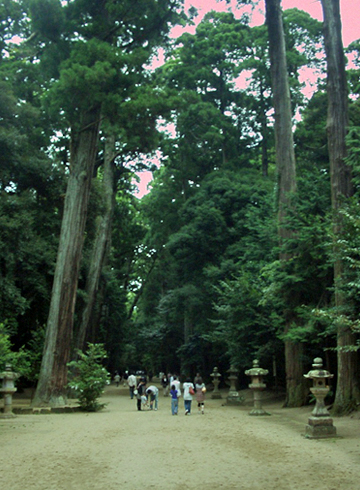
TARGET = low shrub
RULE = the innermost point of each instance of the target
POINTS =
(88, 377)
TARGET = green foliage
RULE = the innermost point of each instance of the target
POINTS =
(327, 318)
(247, 327)
(86, 77)
(227, 224)
(353, 50)
(311, 138)
(20, 361)
(25, 360)
(303, 33)
(12, 23)
(346, 248)
(353, 158)
(47, 18)
(27, 252)
(89, 377)
(34, 350)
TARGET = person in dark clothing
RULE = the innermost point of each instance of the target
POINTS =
(141, 389)
(165, 384)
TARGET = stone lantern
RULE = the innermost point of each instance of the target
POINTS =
(233, 397)
(216, 375)
(257, 386)
(320, 424)
(8, 389)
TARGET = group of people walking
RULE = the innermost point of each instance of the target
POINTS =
(148, 397)
(190, 389)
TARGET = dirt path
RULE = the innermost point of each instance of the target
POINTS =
(121, 448)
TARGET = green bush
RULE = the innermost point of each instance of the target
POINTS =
(19, 361)
(89, 377)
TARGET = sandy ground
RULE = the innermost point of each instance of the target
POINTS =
(121, 448)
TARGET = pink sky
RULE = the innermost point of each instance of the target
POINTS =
(350, 15)
(350, 12)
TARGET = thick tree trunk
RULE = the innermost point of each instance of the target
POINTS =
(347, 391)
(284, 143)
(286, 171)
(101, 243)
(295, 386)
(51, 388)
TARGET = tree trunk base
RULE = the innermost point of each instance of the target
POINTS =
(53, 402)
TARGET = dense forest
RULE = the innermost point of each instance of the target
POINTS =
(247, 244)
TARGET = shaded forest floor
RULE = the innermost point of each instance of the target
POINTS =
(121, 448)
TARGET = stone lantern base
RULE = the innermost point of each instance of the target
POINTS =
(7, 413)
(234, 398)
(320, 428)
(258, 412)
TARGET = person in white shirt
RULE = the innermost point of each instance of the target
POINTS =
(189, 390)
(131, 381)
(153, 393)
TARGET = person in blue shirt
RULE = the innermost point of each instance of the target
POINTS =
(174, 400)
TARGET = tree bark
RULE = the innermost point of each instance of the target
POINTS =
(286, 173)
(284, 143)
(347, 390)
(101, 243)
(51, 388)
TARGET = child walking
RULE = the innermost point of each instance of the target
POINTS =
(174, 400)
(200, 395)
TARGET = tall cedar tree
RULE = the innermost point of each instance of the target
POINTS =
(347, 390)
(101, 243)
(53, 372)
(108, 25)
(286, 170)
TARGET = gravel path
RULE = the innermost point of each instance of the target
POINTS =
(121, 448)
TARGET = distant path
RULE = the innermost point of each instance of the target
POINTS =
(122, 449)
